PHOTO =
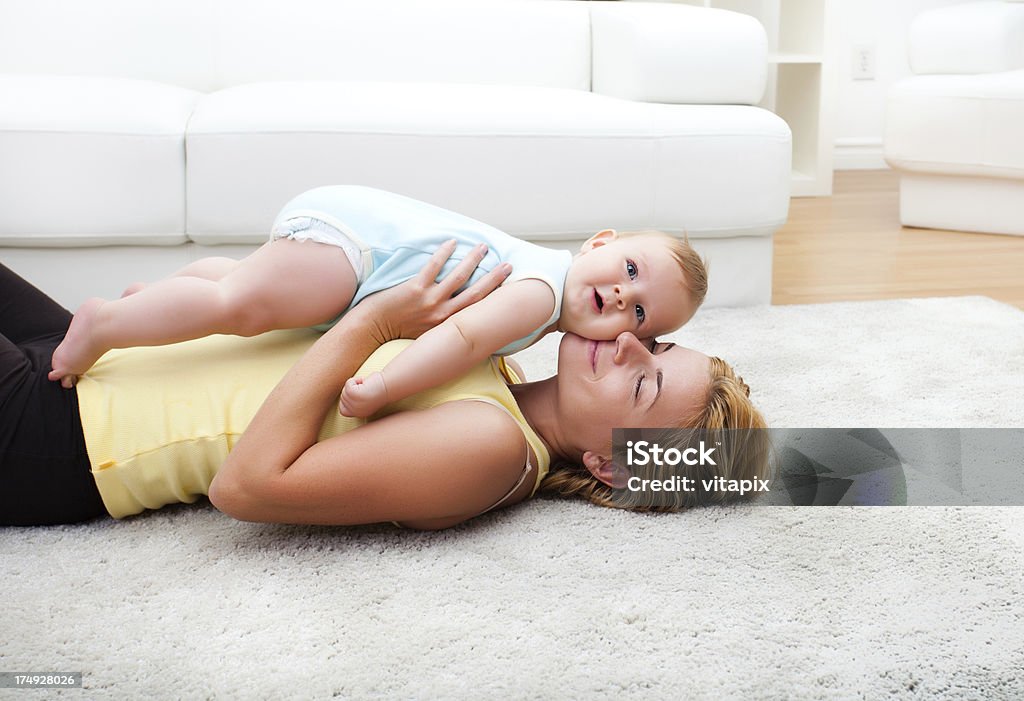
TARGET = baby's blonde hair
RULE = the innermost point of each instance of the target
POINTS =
(694, 268)
(727, 417)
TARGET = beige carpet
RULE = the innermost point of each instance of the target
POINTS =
(556, 599)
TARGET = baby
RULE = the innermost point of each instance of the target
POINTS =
(332, 246)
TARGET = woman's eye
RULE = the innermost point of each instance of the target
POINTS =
(631, 269)
(640, 314)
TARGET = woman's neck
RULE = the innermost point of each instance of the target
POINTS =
(539, 403)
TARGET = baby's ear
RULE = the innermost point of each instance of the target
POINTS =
(599, 239)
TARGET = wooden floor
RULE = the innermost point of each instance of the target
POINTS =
(851, 246)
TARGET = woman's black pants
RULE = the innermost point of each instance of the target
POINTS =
(44, 469)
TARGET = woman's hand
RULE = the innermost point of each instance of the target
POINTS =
(419, 304)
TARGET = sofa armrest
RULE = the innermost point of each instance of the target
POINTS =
(661, 52)
(973, 38)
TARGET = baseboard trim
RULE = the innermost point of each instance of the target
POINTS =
(859, 154)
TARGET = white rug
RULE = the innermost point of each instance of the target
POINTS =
(556, 599)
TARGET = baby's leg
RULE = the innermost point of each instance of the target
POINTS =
(210, 268)
(284, 284)
(287, 284)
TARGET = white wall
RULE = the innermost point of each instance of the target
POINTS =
(860, 108)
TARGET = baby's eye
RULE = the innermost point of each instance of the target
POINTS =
(640, 314)
(631, 269)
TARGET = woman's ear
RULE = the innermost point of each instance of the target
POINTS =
(599, 239)
(605, 470)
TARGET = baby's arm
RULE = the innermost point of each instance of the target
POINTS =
(450, 349)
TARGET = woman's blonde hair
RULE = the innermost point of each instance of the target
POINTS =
(728, 419)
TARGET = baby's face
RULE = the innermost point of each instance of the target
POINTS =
(624, 284)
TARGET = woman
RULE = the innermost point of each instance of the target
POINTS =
(157, 423)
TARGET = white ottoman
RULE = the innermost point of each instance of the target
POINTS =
(955, 131)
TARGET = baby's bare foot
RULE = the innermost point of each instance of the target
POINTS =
(79, 350)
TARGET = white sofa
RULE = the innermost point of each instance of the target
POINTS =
(955, 131)
(138, 136)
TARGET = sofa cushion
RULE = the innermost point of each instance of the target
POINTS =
(91, 161)
(957, 124)
(529, 42)
(539, 162)
(164, 42)
(212, 44)
(655, 52)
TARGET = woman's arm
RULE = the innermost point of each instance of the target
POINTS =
(420, 468)
(450, 349)
(289, 421)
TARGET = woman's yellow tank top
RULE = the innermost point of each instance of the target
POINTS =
(160, 421)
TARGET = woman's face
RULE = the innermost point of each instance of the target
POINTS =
(627, 383)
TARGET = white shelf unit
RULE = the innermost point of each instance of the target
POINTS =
(800, 81)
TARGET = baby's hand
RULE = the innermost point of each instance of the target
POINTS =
(363, 396)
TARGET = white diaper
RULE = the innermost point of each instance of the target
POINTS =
(312, 229)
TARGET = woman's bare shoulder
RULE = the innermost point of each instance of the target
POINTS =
(488, 425)
(485, 448)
